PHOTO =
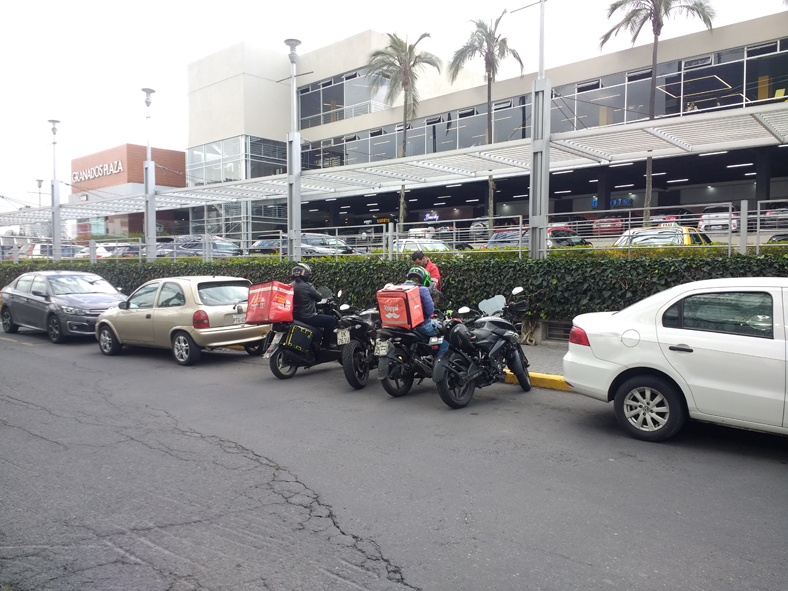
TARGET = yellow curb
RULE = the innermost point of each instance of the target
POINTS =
(541, 380)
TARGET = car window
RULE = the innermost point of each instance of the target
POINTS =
(694, 237)
(24, 283)
(170, 296)
(221, 293)
(220, 245)
(740, 313)
(39, 284)
(336, 243)
(313, 240)
(143, 297)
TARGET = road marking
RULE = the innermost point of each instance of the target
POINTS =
(22, 342)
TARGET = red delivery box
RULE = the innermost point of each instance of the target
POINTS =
(400, 305)
(270, 302)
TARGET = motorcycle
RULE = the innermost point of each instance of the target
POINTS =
(479, 351)
(405, 356)
(356, 335)
(297, 344)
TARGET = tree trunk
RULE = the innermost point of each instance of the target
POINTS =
(403, 209)
(490, 200)
(490, 181)
(651, 111)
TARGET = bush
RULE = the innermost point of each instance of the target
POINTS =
(565, 284)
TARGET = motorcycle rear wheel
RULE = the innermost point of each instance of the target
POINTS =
(398, 381)
(451, 391)
(282, 367)
(354, 364)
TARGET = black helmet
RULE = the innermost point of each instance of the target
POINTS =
(420, 275)
(301, 270)
(461, 337)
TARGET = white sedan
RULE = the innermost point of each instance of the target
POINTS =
(711, 350)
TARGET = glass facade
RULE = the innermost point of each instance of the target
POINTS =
(737, 77)
(235, 159)
(341, 97)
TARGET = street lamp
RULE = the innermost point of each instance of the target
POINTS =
(40, 182)
(150, 191)
(293, 163)
(56, 249)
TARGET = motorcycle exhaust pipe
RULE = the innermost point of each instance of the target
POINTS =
(426, 368)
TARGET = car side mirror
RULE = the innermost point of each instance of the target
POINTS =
(120, 289)
(39, 293)
(123, 305)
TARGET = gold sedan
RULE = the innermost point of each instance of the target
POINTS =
(185, 314)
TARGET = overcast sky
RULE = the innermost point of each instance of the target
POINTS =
(84, 62)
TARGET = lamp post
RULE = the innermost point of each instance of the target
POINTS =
(150, 191)
(293, 164)
(40, 182)
(56, 247)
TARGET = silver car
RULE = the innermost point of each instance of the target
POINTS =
(184, 314)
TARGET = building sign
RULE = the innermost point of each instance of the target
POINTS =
(83, 196)
(97, 171)
(431, 217)
(383, 220)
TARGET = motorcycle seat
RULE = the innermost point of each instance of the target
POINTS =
(318, 332)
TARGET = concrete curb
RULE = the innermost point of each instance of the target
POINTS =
(541, 380)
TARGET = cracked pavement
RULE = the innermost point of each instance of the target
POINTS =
(133, 473)
(104, 494)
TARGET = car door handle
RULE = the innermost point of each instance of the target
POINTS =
(148, 316)
(682, 348)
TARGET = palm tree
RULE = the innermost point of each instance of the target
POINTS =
(486, 43)
(636, 14)
(398, 65)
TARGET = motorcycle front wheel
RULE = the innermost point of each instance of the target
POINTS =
(519, 368)
(281, 366)
(451, 391)
(399, 379)
(354, 364)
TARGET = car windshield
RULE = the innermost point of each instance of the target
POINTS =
(432, 246)
(268, 242)
(654, 237)
(220, 293)
(67, 284)
(220, 245)
(336, 243)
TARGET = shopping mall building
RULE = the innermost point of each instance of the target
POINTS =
(239, 105)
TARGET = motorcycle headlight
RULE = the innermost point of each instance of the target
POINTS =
(74, 311)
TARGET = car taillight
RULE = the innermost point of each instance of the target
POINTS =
(200, 320)
(578, 336)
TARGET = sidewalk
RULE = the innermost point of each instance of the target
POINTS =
(546, 361)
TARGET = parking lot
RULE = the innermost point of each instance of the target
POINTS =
(132, 472)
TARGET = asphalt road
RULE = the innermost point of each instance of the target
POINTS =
(135, 473)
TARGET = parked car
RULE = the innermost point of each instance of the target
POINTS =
(422, 244)
(775, 215)
(64, 303)
(614, 224)
(720, 218)
(711, 350)
(44, 250)
(101, 251)
(184, 314)
(679, 215)
(312, 245)
(187, 248)
(663, 236)
(557, 237)
(577, 223)
(777, 239)
(265, 246)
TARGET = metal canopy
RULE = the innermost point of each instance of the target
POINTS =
(674, 136)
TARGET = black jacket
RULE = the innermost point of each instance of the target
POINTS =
(304, 297)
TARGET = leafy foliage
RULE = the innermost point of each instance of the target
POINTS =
(565, 284)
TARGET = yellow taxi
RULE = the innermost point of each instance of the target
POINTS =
(663, 235)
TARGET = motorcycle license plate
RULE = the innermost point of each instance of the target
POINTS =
(436, 341)
(343, 336)
(381, 348)
(239, 318)
(274, 342)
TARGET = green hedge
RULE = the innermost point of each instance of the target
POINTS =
(557, 288)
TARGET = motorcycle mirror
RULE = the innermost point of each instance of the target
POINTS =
(464, 310)
(517, 290)
(344, 307)
(339, 293)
